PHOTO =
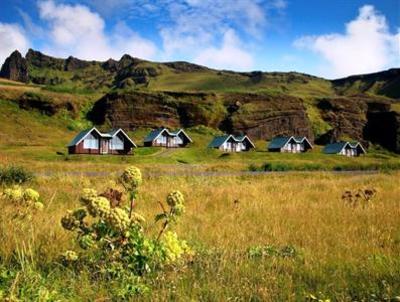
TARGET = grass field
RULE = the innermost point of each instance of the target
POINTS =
(337, 252)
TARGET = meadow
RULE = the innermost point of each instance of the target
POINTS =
(277, 237)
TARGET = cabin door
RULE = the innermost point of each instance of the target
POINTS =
(104, 147)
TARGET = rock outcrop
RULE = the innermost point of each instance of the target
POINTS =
(15, 68)
(260, 116)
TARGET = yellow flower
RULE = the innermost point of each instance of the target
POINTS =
(118, 219)
(14, 194)
(99, 206)
(70, 256)
(88, 195)
(175, 198)
(131, 177)
(31, 195)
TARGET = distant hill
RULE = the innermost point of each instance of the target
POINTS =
(134, 93)
(385, 83)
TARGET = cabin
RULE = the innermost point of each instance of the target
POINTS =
(345, 148)
(162, 137)
(230, 143)
(291, 144)
(92, 141)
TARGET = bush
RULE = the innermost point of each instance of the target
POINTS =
(14, 175)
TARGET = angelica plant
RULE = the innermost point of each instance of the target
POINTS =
(112, 236)
(24, 199)
(175, 201)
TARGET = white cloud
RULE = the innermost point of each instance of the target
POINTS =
(229, 56)
(78, 31)
(12, 37)
(367, 46)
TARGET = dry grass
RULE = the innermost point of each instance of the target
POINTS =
(345, 252)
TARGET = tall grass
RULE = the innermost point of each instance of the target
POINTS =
(342, 253)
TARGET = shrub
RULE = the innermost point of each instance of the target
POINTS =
(14, 175)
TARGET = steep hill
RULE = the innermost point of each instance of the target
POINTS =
(134, 93)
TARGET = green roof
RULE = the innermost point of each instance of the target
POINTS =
(153, 134)
(334, 147)
(78, 138)
(218, 141)
(278, 142)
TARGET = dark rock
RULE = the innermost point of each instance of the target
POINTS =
(181, 66)
(72, 64)
(383, 128)
(110, 65)
(15, 68)
(39, 60)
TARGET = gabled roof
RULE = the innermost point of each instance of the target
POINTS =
(337, 147)
(334, 147)
(242, 138)
(220, 140)
(181, 131)
(154, 134)
(114, 132)
(82, 135)
(356, 145)
(279, 142)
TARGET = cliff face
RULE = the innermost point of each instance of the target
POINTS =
(15, 68)
(260, 116)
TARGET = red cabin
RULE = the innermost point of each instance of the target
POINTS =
(92, 141)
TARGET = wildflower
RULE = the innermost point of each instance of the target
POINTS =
(174, 198)
(99, 206)
(14, 194)
(119, 219)
(70, 256)
(131, 177)
(31, 195)
(174, 248)
(88, 195)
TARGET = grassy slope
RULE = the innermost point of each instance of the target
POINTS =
(33, 139)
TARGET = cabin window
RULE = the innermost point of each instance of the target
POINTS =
(117, 143)
(91, 142)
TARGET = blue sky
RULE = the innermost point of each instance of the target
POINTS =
(325, 38)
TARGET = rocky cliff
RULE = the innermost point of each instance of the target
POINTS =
(15, 68)
(260, 116)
